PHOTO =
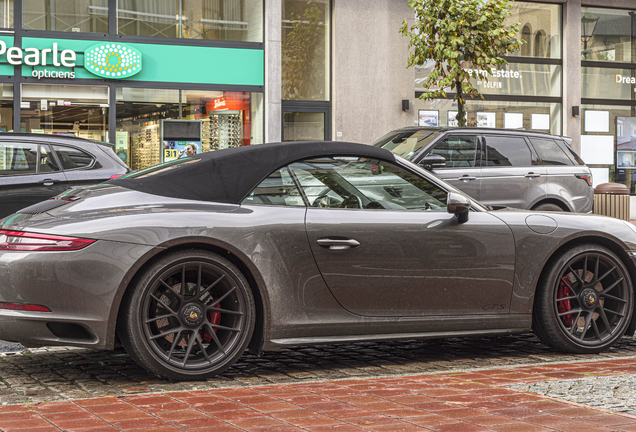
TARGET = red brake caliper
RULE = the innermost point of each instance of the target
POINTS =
(565, 305)
(215, 318)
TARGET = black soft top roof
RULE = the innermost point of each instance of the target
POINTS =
(229, 175)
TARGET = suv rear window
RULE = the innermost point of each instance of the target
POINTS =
(507, 151)
(406, 144)
(72, 158)
(549, 152)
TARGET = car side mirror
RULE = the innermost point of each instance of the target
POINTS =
(432, 162)
(458, 205)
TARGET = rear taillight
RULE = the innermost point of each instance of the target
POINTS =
(24, 307)
(26, 241)
(114, 176)
(586, 177)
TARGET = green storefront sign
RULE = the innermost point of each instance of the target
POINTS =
(84, 59)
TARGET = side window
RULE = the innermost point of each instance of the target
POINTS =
(72, 158)
(458, 150)
(352, 182)
(18, 159)
(47, 162)
(278, 189)
(507, 151)
(549, 152)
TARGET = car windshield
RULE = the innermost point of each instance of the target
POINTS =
(407, 144)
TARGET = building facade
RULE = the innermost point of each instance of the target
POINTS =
(256, 71)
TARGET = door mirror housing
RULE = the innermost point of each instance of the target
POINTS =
(432, 162)
(458, 205)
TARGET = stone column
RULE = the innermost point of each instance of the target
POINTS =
(572, 71)
(273, 52)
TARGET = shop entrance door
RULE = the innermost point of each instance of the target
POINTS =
(59, 109)
(306, 122)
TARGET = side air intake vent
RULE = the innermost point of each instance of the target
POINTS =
(44, 206)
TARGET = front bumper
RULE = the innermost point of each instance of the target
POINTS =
(79, 287)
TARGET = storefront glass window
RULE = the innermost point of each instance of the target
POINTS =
(6, 108)
(603, 83)
(228, 119)
(538, 116)
(304, 126)
(515, 79)
(65, 109)
(227, 20)
(608, 34)
(89, 16)
(305, 64)
(6, 13)
(608, 143)
(540, 26)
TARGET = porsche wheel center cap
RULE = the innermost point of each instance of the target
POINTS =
(192, 315)
(589, 298)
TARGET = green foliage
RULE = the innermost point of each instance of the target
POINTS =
(303, 55)
(457, 35)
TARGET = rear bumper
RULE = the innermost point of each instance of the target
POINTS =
(78, 287)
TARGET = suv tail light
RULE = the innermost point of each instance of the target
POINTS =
(585, 177)
(114, 176)
(26, 241)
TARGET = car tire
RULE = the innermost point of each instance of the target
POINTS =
(190, 315)
(548, 207)
(584, 300)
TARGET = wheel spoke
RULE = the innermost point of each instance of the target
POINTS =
(202, 348)
(576, 275)
(199, 279)
(607, 296)
(151, 320)
(605, 320)
(569, 285)
(175, 342)
(584, 272)
(566, 298)
(596, 265)
(574, 323)
(586, 326)
(224, 311)
(595, 327)
(570, 312)
(183, 281)
(223, 297)
(611, 287)
(166, 333)
(162, 304)
(214, 338)
(614, 313)
(606, 274)
(212, 285)
(172, 289)
(191, 340)
(220, 327)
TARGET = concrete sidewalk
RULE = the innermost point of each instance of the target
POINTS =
(463, 401)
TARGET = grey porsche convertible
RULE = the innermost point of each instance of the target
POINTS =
(189, 263)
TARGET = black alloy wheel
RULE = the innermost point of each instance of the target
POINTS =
(190, 316)
(584, 302)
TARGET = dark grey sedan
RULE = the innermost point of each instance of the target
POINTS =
(190, 263)
(35, 167)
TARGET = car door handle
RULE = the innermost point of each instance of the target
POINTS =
(532, 175)
(48, 182)
(466, 178)
(338, 244)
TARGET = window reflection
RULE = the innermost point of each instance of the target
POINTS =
(89, 16)
(229, 20)
(610, 37)
(540, 26)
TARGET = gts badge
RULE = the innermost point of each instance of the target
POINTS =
(493, 307)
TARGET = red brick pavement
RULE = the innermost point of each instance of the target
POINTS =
(448, 402)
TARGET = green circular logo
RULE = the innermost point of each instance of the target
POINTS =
(111, 60)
